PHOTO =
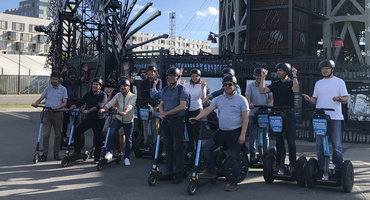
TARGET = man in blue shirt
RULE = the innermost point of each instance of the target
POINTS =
(56, 98)
(172, 112)
(283, 93)
(233, 121)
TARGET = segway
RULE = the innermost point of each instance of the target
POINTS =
(141, 149)
(277, 119)
(38, 153)
(321, 123)
(261, 116)
(68, 157)
(115, 155)
(199, 162)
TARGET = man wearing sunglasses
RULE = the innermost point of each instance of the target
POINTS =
(233, 112)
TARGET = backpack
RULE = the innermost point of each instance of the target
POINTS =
(179, 88)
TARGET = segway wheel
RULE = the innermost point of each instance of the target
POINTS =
(36, 158)
(311, 171)
(65, 161)
(100, 165)
(347, 176)
(267, 168)
(244, 167)
(192, 187)
(299, 173)
(152, 179)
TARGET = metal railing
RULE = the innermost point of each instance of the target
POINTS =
(28, 84)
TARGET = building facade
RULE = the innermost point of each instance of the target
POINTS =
(32, 8)
(18, 35)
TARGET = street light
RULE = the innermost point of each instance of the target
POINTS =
(18, 47)
(212, 37)
(336, 41)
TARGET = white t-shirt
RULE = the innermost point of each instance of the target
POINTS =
(197, 94)
(325, 90)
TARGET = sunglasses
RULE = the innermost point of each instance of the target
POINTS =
(227, 84)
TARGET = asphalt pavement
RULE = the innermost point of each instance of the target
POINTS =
(21, 179)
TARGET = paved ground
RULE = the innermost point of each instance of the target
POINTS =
(20, 179)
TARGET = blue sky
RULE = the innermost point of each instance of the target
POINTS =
(194, 18)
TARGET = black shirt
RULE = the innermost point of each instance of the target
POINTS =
(93, 100)
(282, 93)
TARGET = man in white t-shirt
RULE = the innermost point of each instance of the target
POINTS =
(330, 92)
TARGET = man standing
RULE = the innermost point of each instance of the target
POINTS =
(56, 98)
(94, 100)
(330, 92)
(126, 102)
(172, 112)
(233, 120)
(283, 93)
(254, 97)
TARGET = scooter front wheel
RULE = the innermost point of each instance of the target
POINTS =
(65, 162)
(152, 179)
(36, 158)
(100, 165)
(192, 187)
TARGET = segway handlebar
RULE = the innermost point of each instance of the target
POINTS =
(44, 107)
(321, 110)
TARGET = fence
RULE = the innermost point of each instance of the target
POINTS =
(28, 84)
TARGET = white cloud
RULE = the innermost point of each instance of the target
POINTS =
(139, 7)
(208, 11)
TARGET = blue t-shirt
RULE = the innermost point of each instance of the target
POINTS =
(171, 99)
(54, 95)
(230, 111)
(282, 93)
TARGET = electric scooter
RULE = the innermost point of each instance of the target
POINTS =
(195, 180)
(38, 153)
(277, 120)
(322, 126)
(115, 155)
(68, 157)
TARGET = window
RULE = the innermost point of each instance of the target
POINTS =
(17, 26)
(26, 37)
(3, 24)
(3, 45)
(32, 28)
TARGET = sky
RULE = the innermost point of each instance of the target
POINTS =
(194, 18)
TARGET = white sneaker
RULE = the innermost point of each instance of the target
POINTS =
(108, 156)
(127, 162)
(325, 177)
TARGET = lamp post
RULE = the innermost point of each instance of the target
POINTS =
(336, 41)
(19, 71)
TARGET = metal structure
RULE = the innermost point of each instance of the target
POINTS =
(172, 32)
(296, 28)
(93, 32)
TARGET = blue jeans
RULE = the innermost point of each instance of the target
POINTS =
(290, 133)
(230, 139)
(127, 129)
(336, 140)
(173, 133)
(254, 131)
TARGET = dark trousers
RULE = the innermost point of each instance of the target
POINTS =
(290, 134)
(173, 132)
(66, 116)
(97, 126)
(230, 139)
(193, 129)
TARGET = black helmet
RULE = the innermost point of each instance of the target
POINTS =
(327, 63)
(55, 74)
(284, 66)
(71, 71)
(228, 71)
(229, 78)
(151, 67)
(257, 71)
(195, 71)
(112, 76)
(121, 77)
(173, 71)
(124, 81)
(97, 80)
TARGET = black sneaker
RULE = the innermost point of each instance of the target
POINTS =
(43, 158)
(231, 187)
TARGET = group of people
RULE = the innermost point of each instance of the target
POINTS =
(181, 104)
